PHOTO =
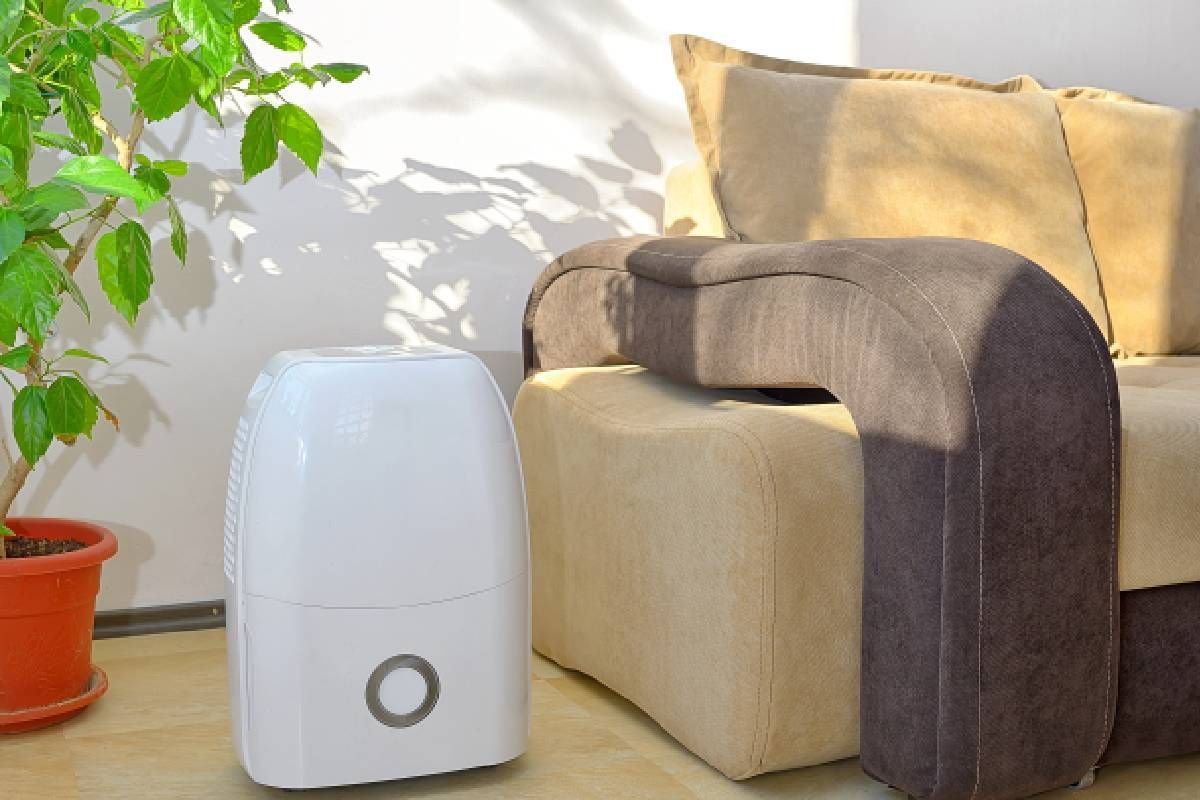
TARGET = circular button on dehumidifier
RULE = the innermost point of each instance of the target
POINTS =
(402, 691)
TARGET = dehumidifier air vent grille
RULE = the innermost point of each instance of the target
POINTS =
(233, 497)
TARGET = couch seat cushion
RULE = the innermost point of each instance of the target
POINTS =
(700, 551)
(1159, 543)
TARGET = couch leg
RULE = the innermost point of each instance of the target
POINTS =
(1087, 780)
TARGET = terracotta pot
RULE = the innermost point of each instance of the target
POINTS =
(47, 604)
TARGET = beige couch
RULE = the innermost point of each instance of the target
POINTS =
(699, 550)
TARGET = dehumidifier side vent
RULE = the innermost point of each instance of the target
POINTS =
(233, 497)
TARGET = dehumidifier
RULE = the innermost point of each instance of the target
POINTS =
(376, 569)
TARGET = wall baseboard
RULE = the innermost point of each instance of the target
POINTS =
(160, 619)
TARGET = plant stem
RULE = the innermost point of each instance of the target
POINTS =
(18, 471)
(14, 479)
(126, 147)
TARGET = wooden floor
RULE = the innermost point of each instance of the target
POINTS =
(162, 732)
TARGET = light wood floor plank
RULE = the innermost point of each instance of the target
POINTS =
(163, 732)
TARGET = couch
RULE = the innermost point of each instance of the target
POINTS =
(890, 447)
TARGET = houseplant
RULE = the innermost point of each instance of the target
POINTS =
(70, 71)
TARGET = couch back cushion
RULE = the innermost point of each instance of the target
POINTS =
(797, 152)
(1138, 167)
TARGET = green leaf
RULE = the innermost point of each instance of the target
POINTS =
(102, 175)
(5, 78)
(343, 72)
(31, 423)
(6, 165)
(123, 257)
(270, 83)
(279, 35)
(71, 407)
(79, 123)
(209, 106)
(8, 329)
(79, 352)
(123, 46)
(80, 79)
(53, 10)
(68, 282)
(87, 16)
(172, 167)
(155, 178)
(10, 18)
(12, 232)
(81, 43)
(29, 287)
(306, 76)
(16, 358)
(24, 92)
(57, 141)
(179, 236)
(245, 11)
(260, 141)
(16, 135)
(281, 5)
(300, 133)
(166, 84)
(6, 532)
(42, 204)
(210, 22)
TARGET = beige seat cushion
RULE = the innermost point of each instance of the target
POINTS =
(794, 156)
(1160, 471)
(700, 551)
(1138, 167)
(688, 554)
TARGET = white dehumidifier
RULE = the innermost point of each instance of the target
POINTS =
(376, 569)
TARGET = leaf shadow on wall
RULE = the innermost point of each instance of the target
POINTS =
(448, 253)
(451, 252)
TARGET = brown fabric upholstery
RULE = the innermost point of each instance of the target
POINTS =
(1158, 707)
(988, 670)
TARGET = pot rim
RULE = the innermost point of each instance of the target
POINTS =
(101, 545)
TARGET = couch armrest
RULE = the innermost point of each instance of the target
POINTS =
(988, 413)
(690, 208)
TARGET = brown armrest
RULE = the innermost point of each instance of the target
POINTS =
(988, 413)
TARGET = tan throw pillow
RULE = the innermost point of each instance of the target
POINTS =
(800, 152)
(1138, 167)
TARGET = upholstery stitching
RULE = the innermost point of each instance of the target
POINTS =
(979, 442)
(979, 449)
(1112, 505)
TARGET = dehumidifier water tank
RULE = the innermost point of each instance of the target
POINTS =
(376, 569)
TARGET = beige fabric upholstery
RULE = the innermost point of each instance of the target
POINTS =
(700, 551)
(1160, 471)
(822, 153)
(1138, 167)
(660, 518)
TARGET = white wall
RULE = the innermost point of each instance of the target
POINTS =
(491, 135)
(1150, 48)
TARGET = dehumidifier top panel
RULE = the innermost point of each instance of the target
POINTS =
(380, 479)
